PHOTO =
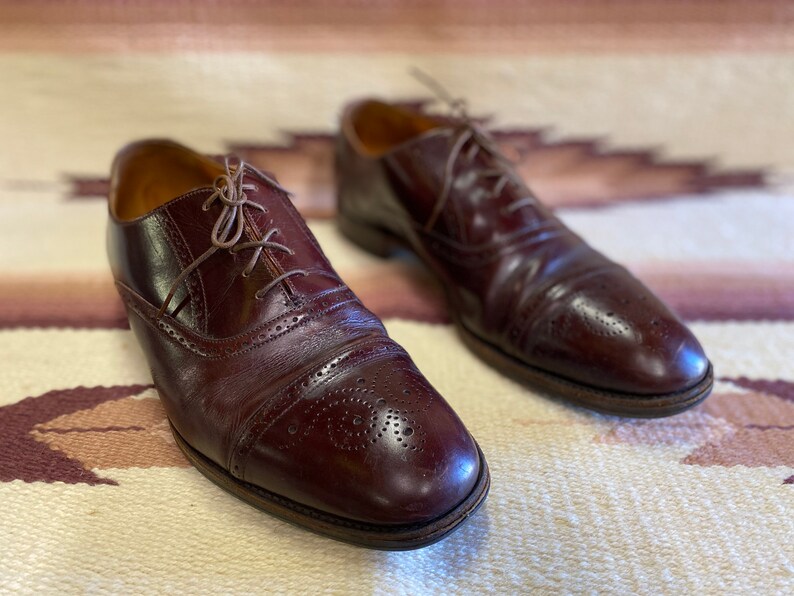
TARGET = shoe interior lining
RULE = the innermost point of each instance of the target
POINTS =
(379, 127)
(149, 174)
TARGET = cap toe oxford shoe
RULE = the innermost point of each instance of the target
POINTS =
(528, 295)
(278, 384)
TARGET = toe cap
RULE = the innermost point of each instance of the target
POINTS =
(614, 334)
(376, 444)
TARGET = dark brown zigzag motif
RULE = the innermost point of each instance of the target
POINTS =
(570, 173)
(22, 457)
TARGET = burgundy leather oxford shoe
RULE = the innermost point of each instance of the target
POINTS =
(528, 295)
(279, 385)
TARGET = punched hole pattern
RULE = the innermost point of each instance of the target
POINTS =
(356, 417)
(213, 349)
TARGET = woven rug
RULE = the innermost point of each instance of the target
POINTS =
(660, 131)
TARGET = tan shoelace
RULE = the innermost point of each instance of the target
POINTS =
(467, 131)
(229, 189)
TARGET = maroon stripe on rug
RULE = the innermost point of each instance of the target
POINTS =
(65, 301)
(403, 289)
(462, 26)
(723, 291)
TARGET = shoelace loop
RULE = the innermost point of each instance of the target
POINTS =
(229, 188)
(469, 132)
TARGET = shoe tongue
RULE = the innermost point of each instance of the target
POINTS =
(218, 299)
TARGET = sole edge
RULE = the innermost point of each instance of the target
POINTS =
(385, 537)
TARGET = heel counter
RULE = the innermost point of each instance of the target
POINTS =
(363, 193)
(344, 174)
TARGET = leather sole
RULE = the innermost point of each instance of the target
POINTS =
(384, 243)
(382, 537)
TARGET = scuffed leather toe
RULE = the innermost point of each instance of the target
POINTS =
(611, 333)
(373, 442)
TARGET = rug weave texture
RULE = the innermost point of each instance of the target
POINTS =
(663, 135)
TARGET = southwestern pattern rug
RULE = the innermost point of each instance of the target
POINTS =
(660, 131)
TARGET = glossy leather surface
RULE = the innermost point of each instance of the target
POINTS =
(517, 278)
(300, 391)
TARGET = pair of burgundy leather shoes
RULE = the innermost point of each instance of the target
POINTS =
(285, 390)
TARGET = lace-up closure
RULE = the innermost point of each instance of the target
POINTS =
(230, 189)
(468, 132)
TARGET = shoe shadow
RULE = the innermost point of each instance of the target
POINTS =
(441, 566)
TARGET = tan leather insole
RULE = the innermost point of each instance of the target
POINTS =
(381, 127)
(148, 175)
